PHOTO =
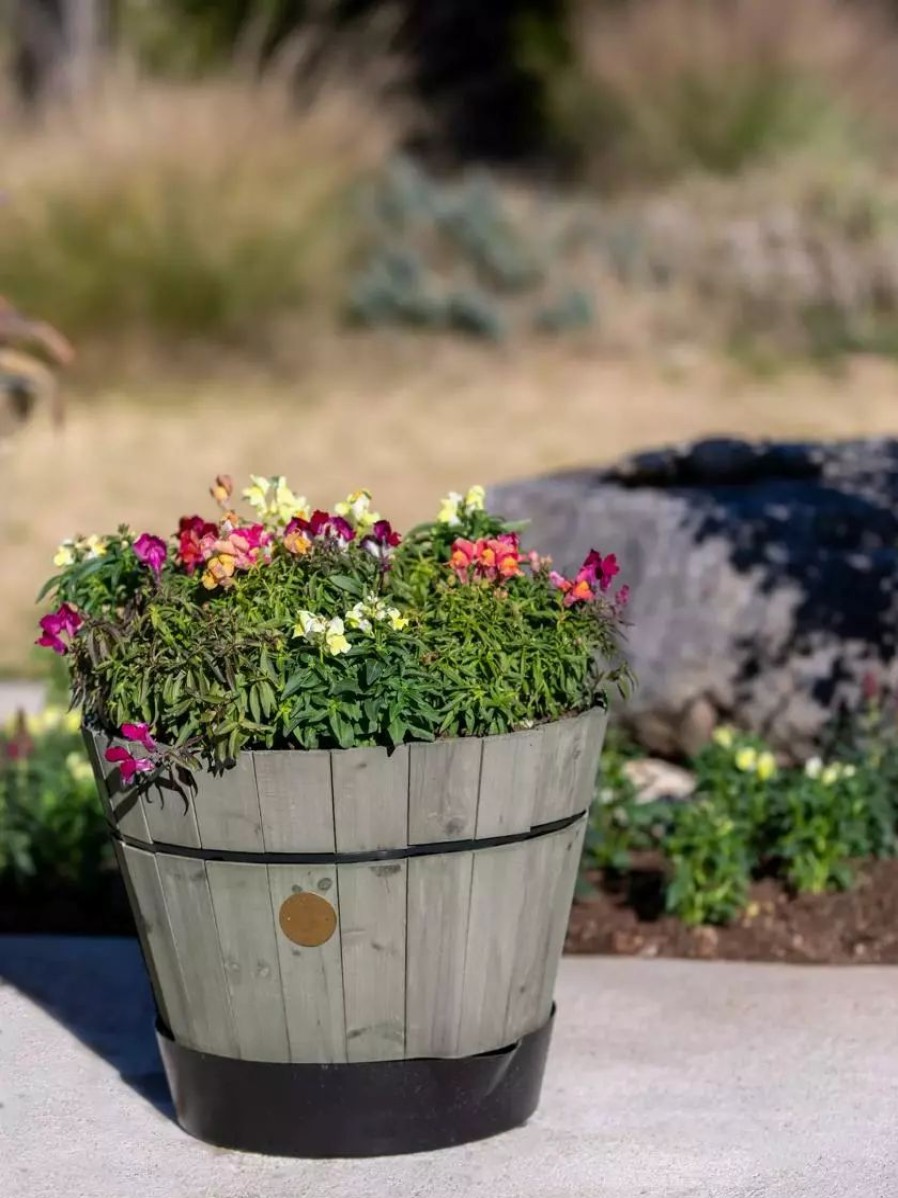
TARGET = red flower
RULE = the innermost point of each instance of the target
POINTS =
(191, 530)
(152, 551)
(380, 540)
(462, 557)
(64, 622)
(127, 764)
(322, 524)
(597, 569)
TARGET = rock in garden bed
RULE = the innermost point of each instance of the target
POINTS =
(859, 926)
(763, 579)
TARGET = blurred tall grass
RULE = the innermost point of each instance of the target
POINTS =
(187, 209)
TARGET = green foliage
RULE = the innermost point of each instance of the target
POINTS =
(333, 646)
(749, 818)
(453, 256)
(52, 830)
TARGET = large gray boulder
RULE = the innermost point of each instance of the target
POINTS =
(763, 579)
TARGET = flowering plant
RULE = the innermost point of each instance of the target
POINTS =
(294, 627)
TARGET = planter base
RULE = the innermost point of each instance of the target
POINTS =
(378, 1108)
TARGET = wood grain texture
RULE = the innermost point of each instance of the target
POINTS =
(558, 902)
(568, 764)
(509, 776)
(227, 807)
(188, 902)
(370, 799)
(151, 916)
(296, 801)
(170, 811)
(123, 804)
(498, 887)
(373, 928)
(444, 783)
(312, 978)
(592, 727)
(439, 898)
(246, 934)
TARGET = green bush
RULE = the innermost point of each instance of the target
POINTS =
(52, 829)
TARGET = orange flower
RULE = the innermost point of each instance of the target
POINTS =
(462, 556)
(219, 571)
(222, 489)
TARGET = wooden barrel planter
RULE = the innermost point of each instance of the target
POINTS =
(354, 951)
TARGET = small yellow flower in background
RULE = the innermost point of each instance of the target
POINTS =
(747, 760)
(334, 637)
(475, 498)
(71, 721)
(356, 508)
(723, 737)
(287, 505)
(273, 501)
(449, 508)
(813, 767)
(397, 620)
(766, 766)
(256, 494)
(65, 554)
(79, 768)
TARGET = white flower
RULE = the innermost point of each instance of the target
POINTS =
(309, 625)
(449, 508)
(813, 768)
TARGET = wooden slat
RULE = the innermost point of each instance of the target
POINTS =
(227, 807)
(509, 777)
(439, 897)
(545, 902)
(559, 904)
(99, 767)
(568, 764)
(154, 929)
(192, 918)
(444, 782)
(296, 801)
(498, 888)
(125, 807)
(372, 915)
(312, 978)
(246, 935)
(370, 799)
(170, 811)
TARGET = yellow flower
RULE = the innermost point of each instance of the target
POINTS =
(449, 506)
(747, 760)
(358, 617)
(309, 625)
(71, 721)
(256, 495)
(287, 505)
(356, 508)
(475, 498)
(95, 546)
(723, 737)
(766, 767)
(65, 554)
(334, 637)
(397, 620)
(79, 768)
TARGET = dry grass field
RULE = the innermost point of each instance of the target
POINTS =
(407, 418)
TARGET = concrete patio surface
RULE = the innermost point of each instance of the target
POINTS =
(667, 1079)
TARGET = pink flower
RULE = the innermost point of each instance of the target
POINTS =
(333, 527)
(597, 569)
(127, 764)
(622, 598)
(64, 622)
(140, 733)
(152, 551)
(462, 557)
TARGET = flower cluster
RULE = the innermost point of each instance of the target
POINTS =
(373, 610)
(828, 775)
(58, 628)
(362, 616)
(490, 559)
(330, 633)
(271, 499)
(231, 548)
(80, 549)
(455, 506)
(128, 764)
(595, 575)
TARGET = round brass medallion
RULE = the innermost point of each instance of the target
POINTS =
(307, 919)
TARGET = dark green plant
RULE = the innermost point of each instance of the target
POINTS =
(710, 861)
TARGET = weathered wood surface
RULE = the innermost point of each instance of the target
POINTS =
(227, 807)
(312, 978)
(372, 915)
(244, 922)
(370, 799)
(509, 777)
(444, 785)
(170, 812)
(123, 804)
(568, 765)
(296, 801)
(439, 898)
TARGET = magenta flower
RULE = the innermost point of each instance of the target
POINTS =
(152, 551)
(64, 622)
(597, 569)
(381, 540)
(128, 765)
(141, 734)
(334, 527)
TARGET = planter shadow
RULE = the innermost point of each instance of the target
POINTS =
(97, 988)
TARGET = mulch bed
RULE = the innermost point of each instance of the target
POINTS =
(625, 916)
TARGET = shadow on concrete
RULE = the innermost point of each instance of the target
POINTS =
(97, 988)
